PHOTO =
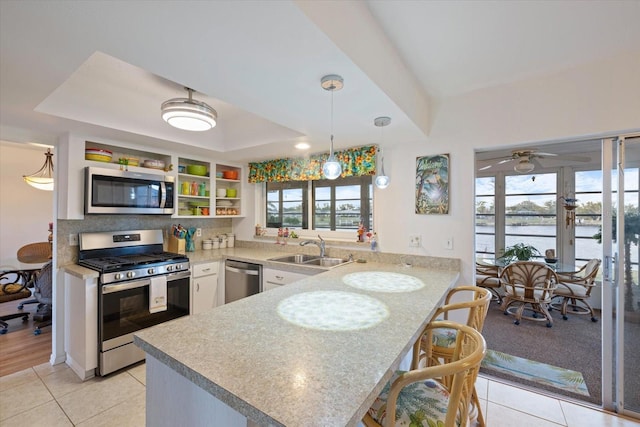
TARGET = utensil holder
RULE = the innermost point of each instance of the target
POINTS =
(176, 245)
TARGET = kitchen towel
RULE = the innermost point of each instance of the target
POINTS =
(158, 294)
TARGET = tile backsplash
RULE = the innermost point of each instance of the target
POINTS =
(97, 223)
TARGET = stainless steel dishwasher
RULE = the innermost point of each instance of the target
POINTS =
(241, 279)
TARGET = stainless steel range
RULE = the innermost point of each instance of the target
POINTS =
(140, 286)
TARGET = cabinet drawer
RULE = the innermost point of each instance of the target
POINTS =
(281, 277)
(205, 269)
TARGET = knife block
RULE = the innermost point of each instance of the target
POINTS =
(176, 245)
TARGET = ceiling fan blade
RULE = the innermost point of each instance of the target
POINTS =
(575, 158)
(501, 162)
(540, 154)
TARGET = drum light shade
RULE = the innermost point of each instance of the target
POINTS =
(189, 114)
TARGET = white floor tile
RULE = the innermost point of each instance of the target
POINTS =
(526, 401)
(47, 369)
(139, 372)
(502, 416)
(482, 386)
(578, 416)
(46, 415)
(17, 379)
(23, 398)
(101, 394)
(127, 414)
(63, 381)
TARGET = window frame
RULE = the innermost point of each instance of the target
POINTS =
(340, 234)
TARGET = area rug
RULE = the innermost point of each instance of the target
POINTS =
(537, 372)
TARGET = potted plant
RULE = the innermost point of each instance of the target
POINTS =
(519, 252)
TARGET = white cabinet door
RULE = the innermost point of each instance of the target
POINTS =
(272, 278)
(204, 287)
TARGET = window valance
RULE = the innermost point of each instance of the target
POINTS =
(355, 162)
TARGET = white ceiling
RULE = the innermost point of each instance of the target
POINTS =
(103, 68)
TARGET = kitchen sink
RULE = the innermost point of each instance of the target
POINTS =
(311, 260)
(296, 259)
(328, 262)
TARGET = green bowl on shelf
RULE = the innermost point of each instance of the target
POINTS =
(197, 170)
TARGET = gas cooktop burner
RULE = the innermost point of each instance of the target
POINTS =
(117, 263)
(127, 255)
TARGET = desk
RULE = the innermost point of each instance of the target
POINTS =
(243, 360)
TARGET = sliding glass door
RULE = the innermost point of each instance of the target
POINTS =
(621, 292)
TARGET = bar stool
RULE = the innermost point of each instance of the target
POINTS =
(433, 395)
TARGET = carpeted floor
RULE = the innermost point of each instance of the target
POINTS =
(572, 344)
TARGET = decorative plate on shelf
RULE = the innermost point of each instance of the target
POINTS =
(224, 203)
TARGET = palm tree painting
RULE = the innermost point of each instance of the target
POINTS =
(432, 184)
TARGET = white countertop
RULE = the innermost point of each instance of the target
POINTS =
(275, 372)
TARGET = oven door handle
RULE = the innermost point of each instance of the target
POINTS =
(117, 287)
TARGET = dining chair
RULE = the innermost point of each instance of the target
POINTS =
(528, 284)
(475, 306)
(575, 289)
(433, 395)
(488, 276)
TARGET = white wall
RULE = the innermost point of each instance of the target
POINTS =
(590, 100)
(25, 213)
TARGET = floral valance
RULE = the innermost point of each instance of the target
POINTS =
(355, 162)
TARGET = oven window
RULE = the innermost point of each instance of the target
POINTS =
(127, 311)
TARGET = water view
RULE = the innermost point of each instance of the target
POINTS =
(586, 246)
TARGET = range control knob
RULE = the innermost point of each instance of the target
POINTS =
(151, 271)
(131, 274)
(118, 276)
(178, 266)
(170, 268)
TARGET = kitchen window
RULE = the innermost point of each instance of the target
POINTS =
(336, 205)
(287, 204)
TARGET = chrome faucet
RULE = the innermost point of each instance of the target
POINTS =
(319, 244)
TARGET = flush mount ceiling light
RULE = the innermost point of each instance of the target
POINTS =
(332, 168)
(43, 178)
(302, 146)
(524, 165)
(382, 180)
(189, 114)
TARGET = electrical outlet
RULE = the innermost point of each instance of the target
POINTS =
(448, 243)
(199, 232)
(73, 240)
(414, 241)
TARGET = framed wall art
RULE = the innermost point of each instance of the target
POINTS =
(432, 184)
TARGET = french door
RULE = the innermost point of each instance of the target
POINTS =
(621, 290)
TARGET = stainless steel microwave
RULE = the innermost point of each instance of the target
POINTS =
(110, 191)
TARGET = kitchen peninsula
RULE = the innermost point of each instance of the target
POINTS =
(312, 353)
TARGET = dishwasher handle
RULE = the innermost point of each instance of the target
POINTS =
(242, 271)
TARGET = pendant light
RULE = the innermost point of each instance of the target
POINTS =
(189, 114)
(382, 180)
(332, 168)
(43, 178)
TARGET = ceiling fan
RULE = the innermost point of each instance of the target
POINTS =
(526, 160)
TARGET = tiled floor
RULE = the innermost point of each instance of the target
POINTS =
(53, 396)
